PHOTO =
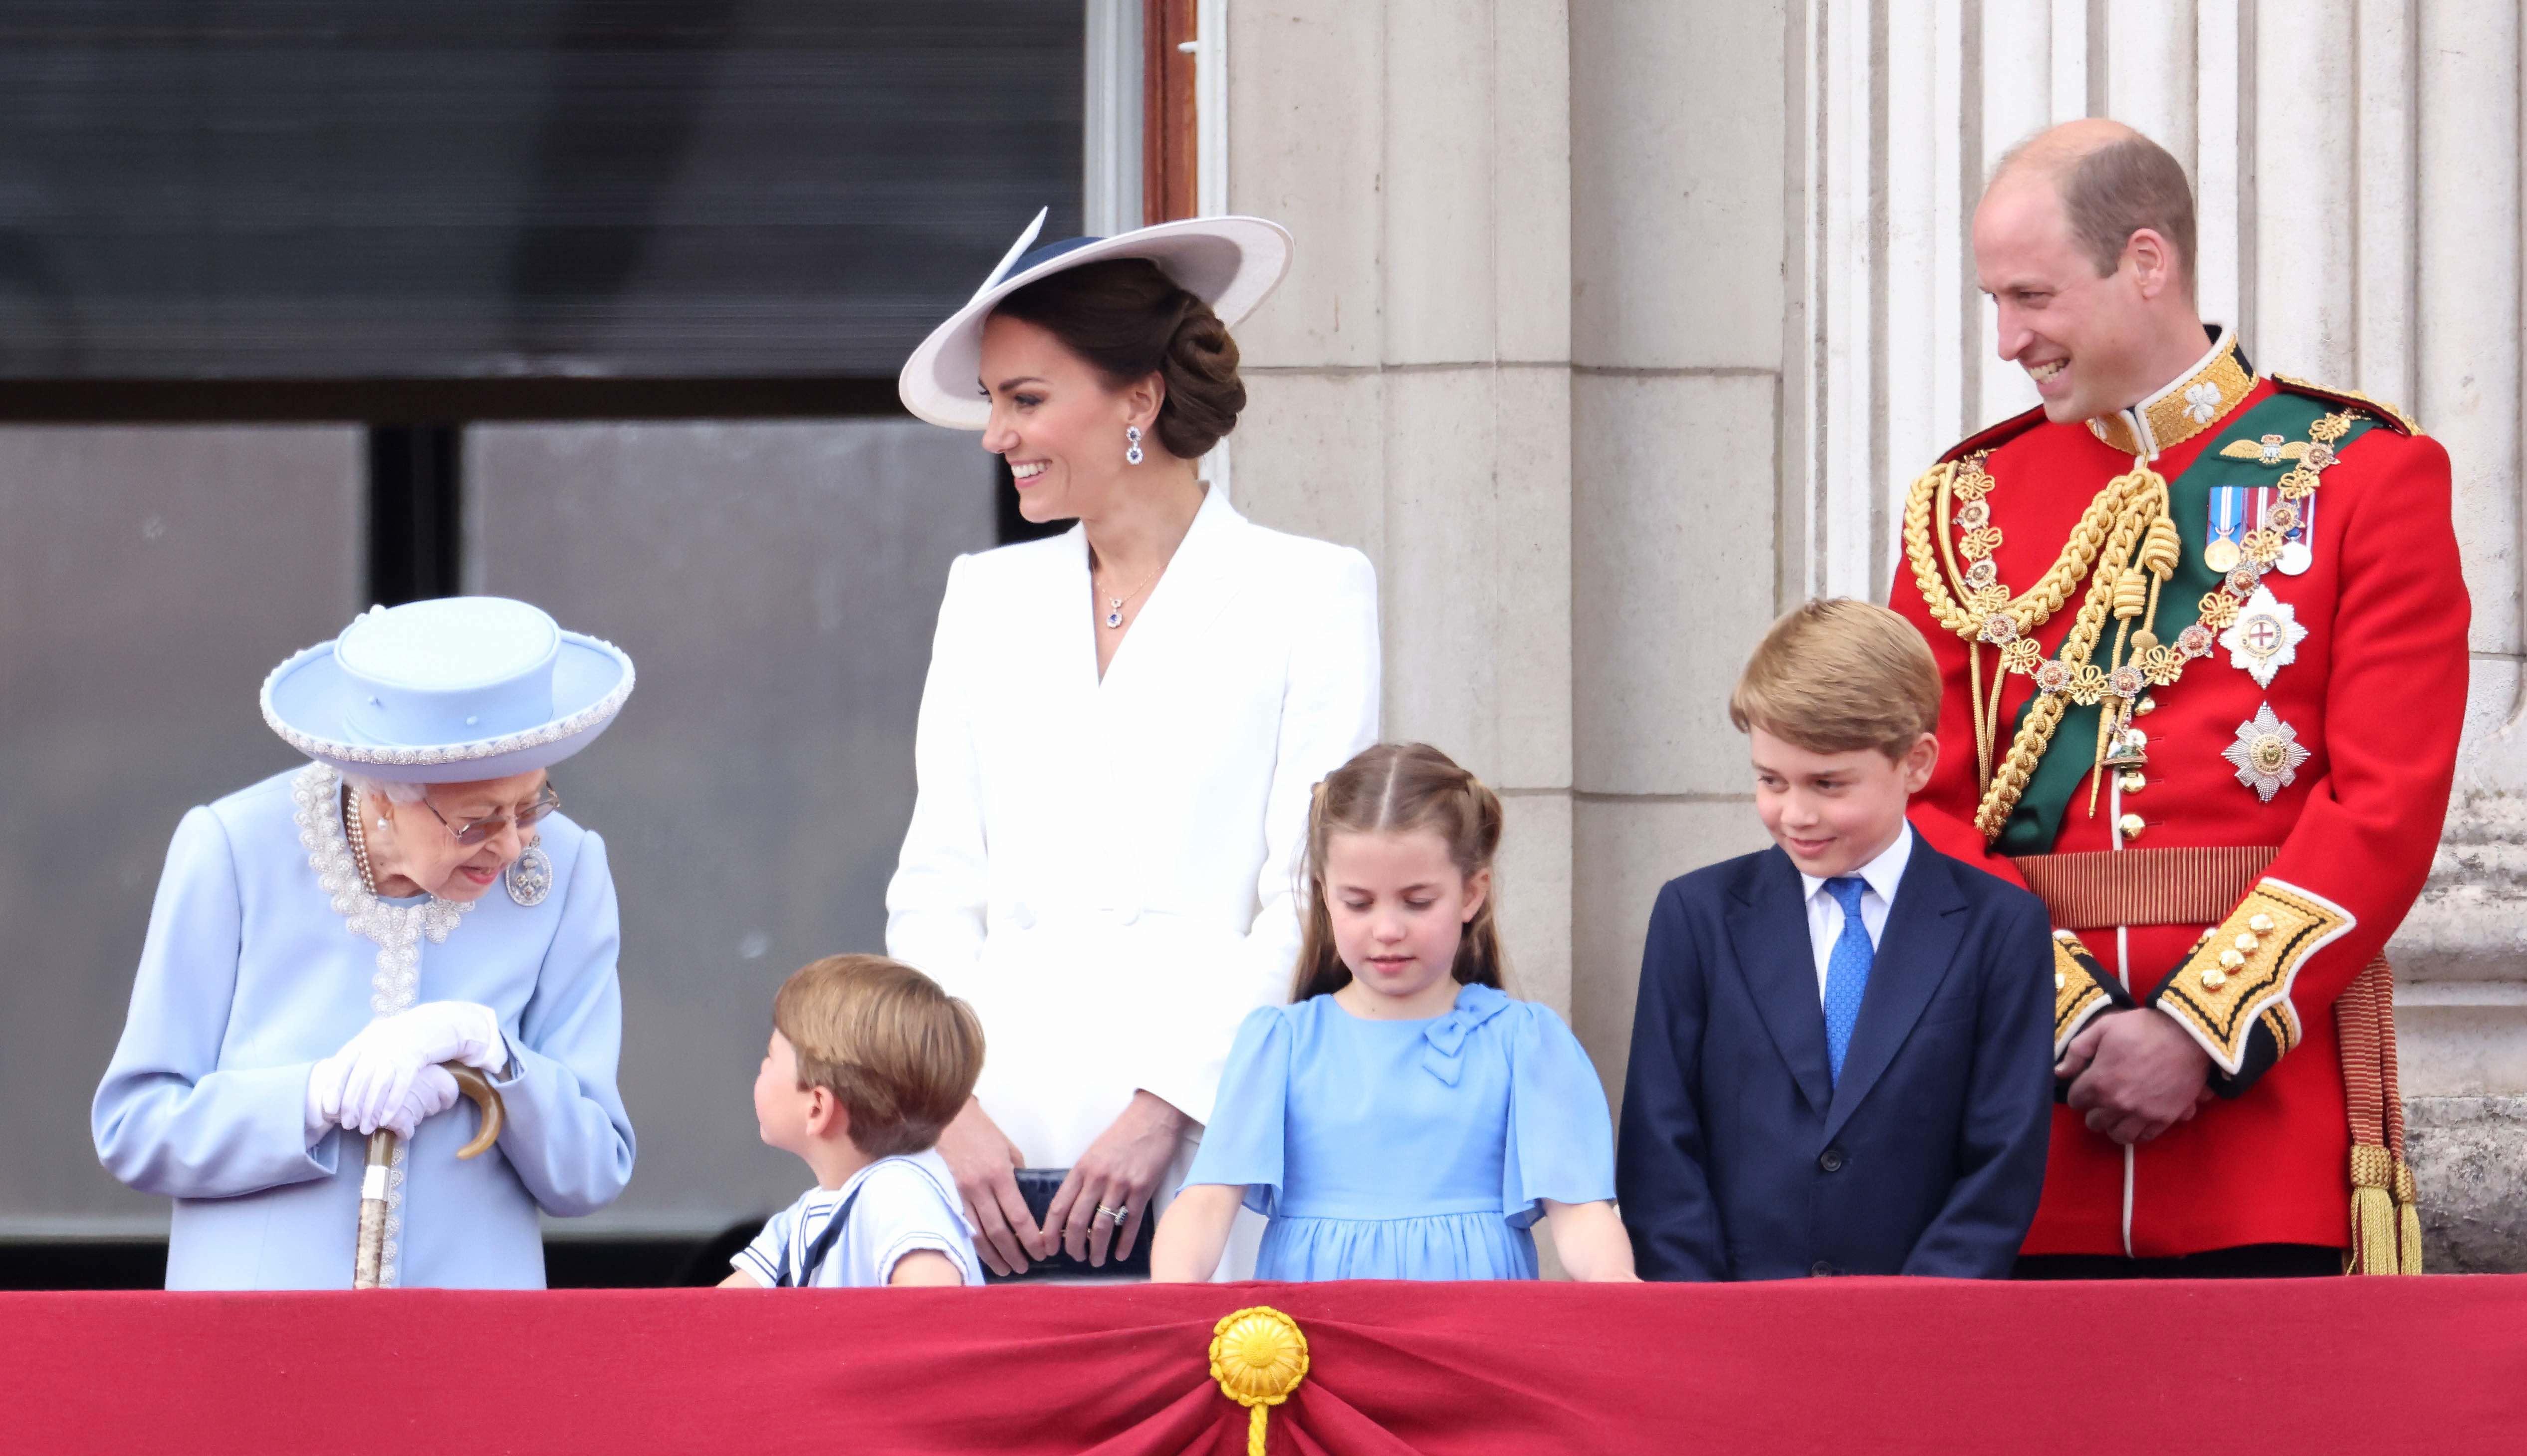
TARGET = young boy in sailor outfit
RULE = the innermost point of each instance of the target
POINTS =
(868, 1060)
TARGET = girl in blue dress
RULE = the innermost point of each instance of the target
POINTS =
(1404, 1117)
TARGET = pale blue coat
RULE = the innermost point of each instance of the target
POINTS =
(249, 977)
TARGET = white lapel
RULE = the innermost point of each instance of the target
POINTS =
(1207, 573)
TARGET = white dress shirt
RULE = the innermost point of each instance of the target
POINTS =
(1878, 879)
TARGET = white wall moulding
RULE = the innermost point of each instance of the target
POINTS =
(1110, 153)
(1211, 106)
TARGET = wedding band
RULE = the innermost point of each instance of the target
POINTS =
(1116, 1213)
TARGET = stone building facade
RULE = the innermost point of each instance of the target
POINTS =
(1617, 327)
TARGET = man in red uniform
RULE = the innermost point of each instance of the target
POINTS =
(2204, 638)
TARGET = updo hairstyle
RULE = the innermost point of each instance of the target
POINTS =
(1130, 320)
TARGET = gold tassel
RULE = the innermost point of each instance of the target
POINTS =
(2161, 550)
(2373, 1212)
(2409, 1220)
(2132, 592)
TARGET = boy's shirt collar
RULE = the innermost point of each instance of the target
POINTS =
(1881, 873)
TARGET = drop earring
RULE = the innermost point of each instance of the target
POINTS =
(1132, 438)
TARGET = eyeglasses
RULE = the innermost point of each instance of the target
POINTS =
(473, 831)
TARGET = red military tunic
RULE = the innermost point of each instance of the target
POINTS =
(2374, 694)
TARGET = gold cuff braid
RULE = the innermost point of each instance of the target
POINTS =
(2240, 974)
(2077, 994)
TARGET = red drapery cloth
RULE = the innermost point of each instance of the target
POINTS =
(1840, 1366)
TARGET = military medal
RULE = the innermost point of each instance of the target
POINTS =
(2297, 521)
(2228, 520)
(2128, 748)
(2266, 754)
(2293, 515)
(2265, 637)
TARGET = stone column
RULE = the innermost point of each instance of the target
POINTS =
(1682, 238)
(1409, 385)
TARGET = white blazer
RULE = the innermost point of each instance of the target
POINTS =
(1105, 870)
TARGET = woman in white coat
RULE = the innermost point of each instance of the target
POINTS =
(1121, 728)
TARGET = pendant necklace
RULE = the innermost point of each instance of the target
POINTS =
(1114, 604)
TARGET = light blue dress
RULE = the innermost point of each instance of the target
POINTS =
(1407, 1149)
(253, 970)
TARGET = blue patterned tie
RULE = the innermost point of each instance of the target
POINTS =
(1846, 972)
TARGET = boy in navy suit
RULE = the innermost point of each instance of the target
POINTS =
(1843, 1057)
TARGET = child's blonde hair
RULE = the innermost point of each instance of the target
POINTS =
(1397, 788)
(895, 1050)
(1836, 675)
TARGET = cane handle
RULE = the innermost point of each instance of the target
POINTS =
(483, 1096)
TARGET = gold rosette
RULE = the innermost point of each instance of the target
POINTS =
(1259, 1357)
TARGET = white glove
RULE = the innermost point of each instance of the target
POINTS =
(325, 1092)
(386, 1058)
(432, 1093)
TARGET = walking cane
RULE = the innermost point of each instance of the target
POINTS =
(381, 1152)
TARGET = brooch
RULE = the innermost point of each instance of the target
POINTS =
(2266, 754)
(529, 876)
(2265, 637)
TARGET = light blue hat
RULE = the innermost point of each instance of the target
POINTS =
(447, 691)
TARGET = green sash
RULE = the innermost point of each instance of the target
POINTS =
(2037, 820)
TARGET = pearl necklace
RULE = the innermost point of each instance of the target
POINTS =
(358, 834)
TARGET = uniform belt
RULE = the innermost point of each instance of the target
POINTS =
(2164, 886)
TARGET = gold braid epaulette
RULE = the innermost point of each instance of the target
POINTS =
(2031, 607)
(2100, 550)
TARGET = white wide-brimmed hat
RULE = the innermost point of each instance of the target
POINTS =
(453, 691)
(1229, 263)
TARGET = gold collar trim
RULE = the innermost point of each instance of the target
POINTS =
(2193, 404)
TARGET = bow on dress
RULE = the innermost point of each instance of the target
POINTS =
(1444, 1055)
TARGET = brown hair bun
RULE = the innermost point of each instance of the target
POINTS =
(1130, 320)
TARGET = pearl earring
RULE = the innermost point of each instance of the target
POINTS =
(1132, 436)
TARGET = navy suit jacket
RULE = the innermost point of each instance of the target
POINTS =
(1741, 1157)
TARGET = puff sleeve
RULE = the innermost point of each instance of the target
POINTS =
(1561, 1135)
(1244, 1141)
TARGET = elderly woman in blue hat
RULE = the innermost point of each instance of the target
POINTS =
(1121, 732)
(324, 940)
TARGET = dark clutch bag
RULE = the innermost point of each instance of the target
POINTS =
(1037, 1185)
